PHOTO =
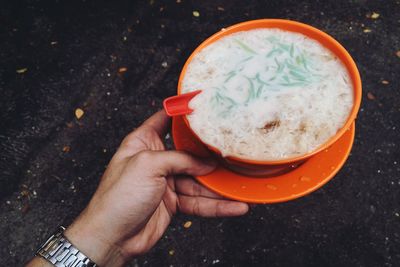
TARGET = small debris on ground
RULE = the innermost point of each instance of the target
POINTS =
(122, 69)
(220, 8)
(25, 193)
(367, 30)
(56, 177)
(23, 70)
(373, 15)
(187, 224)
(385, 82)
(196, 13)
(79, 113)
(178, 1)
(171, 252)
(164, 64)
(66, 149)
(398, 53)
(25, 208)
(54, 43)
(371, 96)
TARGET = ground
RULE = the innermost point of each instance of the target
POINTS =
(57, 56)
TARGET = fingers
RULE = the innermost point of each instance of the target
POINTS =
(188, 186)
(159, 122)
(148, 136)
(207, 207)
(163, 163)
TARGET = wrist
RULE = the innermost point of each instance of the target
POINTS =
(90, 242)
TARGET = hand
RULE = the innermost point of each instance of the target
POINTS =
(138, 195)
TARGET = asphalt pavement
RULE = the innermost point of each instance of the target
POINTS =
(117, 60)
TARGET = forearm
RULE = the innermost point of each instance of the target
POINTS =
(38, 262)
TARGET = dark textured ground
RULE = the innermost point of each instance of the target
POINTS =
(73, 50)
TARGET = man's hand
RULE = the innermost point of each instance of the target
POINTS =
(138, 195)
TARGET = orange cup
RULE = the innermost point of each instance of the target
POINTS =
(274, 167)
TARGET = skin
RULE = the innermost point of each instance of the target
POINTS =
(142, 188)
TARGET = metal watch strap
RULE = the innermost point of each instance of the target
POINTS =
(60, 252)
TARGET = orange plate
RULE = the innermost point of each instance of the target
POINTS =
(310, 176)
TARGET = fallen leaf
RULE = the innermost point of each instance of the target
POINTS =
(374, 15)
(385, 82)
(79, 113)
(366, 30)
(196, 13)
(171, 252)
(371, 96)
(187, 224)
(66, 149)
(23, 70)
(122, 69)
(398, 53)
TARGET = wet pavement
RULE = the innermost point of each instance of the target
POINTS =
(117, 61)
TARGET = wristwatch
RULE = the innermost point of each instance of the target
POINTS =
(61, 253)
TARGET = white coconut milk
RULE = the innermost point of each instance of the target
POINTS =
(268, 94)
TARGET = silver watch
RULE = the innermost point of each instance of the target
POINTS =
(61, 253)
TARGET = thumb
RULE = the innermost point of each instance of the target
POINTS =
(177, 162)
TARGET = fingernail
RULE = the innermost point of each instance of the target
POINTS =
(240, 208)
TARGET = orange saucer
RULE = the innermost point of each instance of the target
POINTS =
(306, 178)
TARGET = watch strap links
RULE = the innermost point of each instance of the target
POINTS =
(61, 253)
